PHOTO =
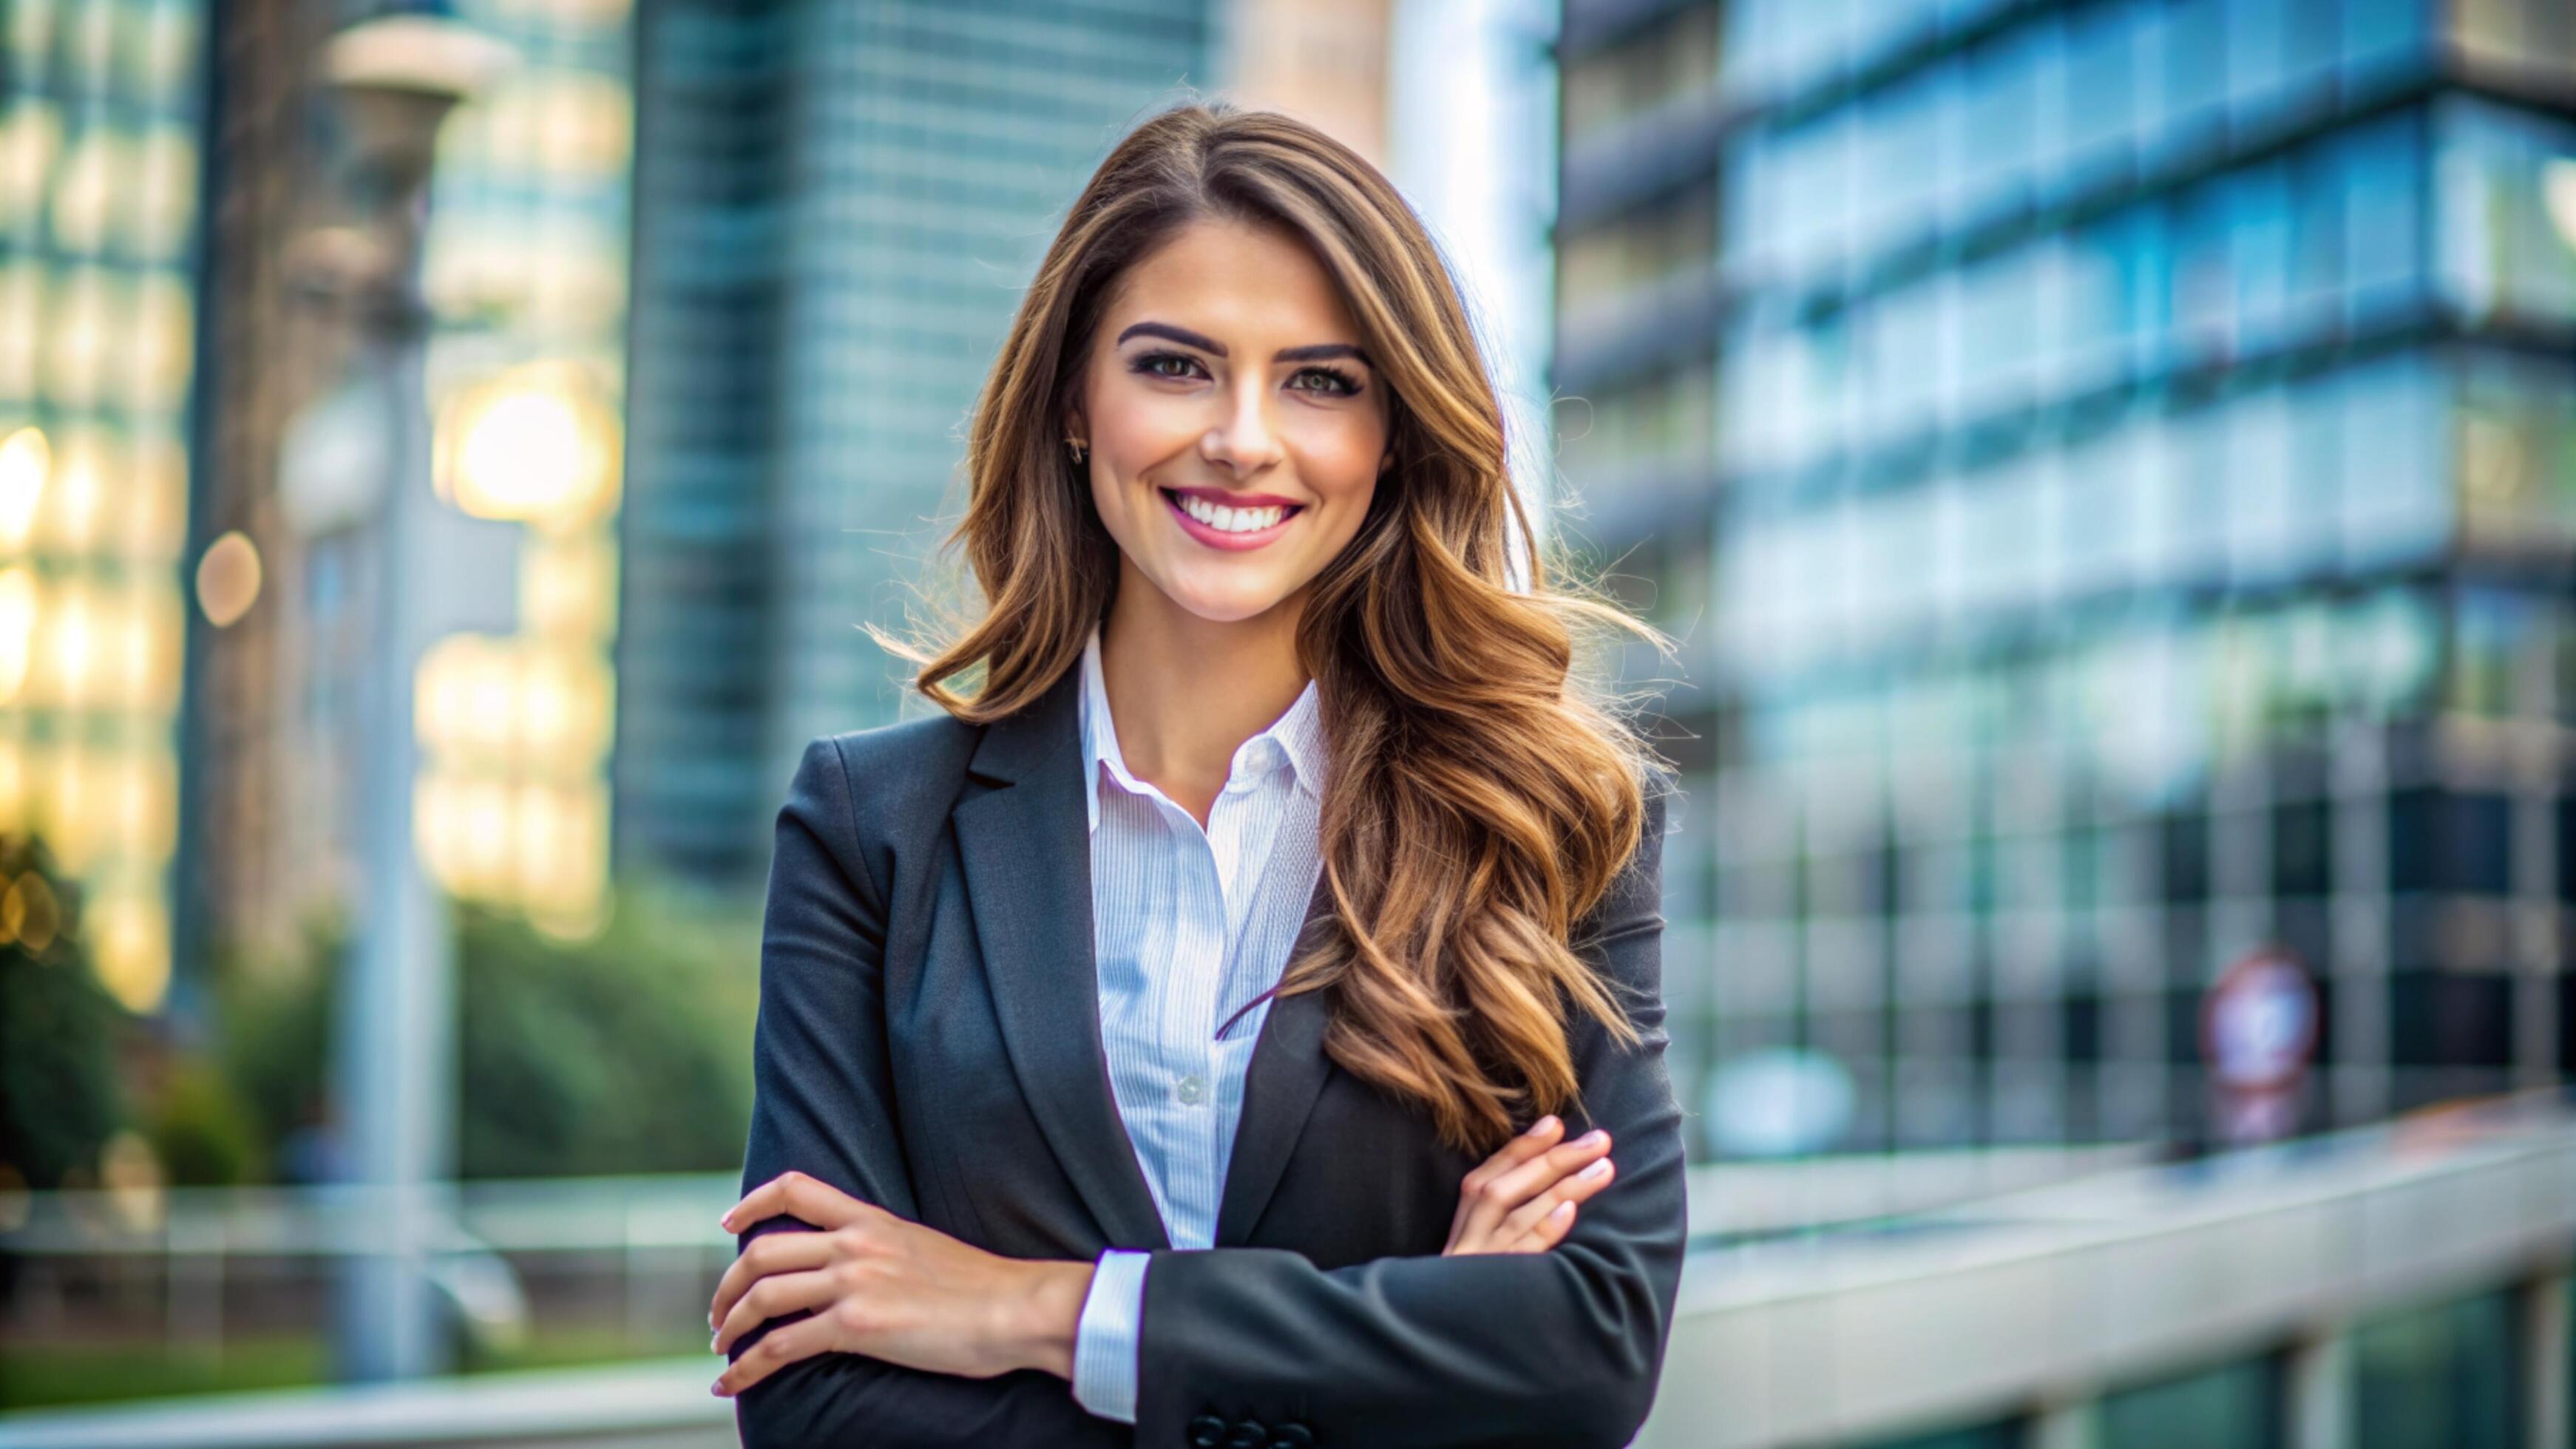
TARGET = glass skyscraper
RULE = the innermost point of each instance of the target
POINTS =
(101, 109)
(2113, 468)
(838, 204)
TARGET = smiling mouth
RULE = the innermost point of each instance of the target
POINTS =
(1225, 526)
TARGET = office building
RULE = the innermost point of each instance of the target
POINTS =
(2111, 466)
(100, 132)
(838, 205)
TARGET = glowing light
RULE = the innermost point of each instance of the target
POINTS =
(22, 286)
(130, 944)
(143, 645)
(30, 140)
(85, 189)
(155, 528)
(166, 198)
(83, 335)
(163, 337)
(13, 786)
(26, 461)
(568, 586)
(17, 630)
(70, 645)
(75, 497)
(228, 578)
(29, 914)
(145, 807)
(536, 444)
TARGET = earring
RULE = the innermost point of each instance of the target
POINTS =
(1078, 449)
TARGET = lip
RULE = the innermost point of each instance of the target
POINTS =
(1215, 538)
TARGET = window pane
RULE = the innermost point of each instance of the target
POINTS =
(2440, 1375)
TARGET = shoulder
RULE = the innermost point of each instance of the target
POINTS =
(890, 775)
(1657, 788)
(1634, 899)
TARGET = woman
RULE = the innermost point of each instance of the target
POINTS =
(1150, 1041)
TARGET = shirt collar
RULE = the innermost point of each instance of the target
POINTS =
(1299, 733)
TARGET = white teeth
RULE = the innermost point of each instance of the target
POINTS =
(1230, 520)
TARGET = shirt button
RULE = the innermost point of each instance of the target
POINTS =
(1192, 1090)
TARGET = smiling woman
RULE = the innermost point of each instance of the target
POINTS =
(1180, 1038)
(1255, 432)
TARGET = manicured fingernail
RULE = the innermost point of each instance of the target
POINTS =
(713, 1339)
(717, 1388)
(725, 1222)
(1561, 1210)
(1599, 1168)
(1593, 1138)
(1542, 1124)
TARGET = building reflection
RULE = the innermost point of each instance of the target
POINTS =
(2112, 463)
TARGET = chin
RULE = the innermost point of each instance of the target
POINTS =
(1227, 601)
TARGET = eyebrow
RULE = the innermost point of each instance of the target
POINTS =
(1318, 352)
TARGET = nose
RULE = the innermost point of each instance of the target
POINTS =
(1244, 440)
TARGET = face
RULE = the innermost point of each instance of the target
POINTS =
(1236, 428)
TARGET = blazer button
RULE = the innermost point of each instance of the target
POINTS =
(1207, 1431)
(1247, 1435)
(1292, 1436)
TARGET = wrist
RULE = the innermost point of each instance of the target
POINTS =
(1048, 1315)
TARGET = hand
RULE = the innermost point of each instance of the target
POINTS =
(1522, 1199)
(886, 1287)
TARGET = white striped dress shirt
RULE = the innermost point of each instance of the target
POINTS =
(1190, 927)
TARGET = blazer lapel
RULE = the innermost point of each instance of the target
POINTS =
(1279, 1087)
(1027, 852)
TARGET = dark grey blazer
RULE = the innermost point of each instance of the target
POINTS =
(929, 1041)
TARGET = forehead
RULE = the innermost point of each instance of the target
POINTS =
(1222, 277)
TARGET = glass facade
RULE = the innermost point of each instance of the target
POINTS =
(2442, 1374)
(100, 129)
(840, 205)
(2233, 1406)
(2109, 502)
(525, 261)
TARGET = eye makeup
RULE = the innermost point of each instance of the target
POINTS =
(1149, 364)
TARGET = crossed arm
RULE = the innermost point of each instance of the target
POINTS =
(1548, 1325)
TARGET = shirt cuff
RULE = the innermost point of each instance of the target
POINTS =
(1104, 1341)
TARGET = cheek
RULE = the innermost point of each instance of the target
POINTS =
(1338, 459)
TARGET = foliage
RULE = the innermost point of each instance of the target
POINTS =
(201, 1129)
(630, 1052)
(59, 1028)
(273, 1042)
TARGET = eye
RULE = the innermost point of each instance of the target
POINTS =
(1151, 364)
(1339, 383)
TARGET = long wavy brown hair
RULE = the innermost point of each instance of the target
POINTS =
(1480, 796)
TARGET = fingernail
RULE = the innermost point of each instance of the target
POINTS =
(712, 1340)
(1561, 1210)
(717, 1388)
(725, 1222)
(1595, 1137)
(1542, 1124)
(1599, 1168)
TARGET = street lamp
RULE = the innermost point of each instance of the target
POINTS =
(396, 77)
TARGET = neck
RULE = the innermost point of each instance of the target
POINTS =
(1185, 692)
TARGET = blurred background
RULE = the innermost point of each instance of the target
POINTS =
(2109, 465)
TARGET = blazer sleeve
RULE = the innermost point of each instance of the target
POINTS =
(823, 1104)
(1558, 1348)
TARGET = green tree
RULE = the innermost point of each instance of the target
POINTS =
(58, 1026)
(630, 1052)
